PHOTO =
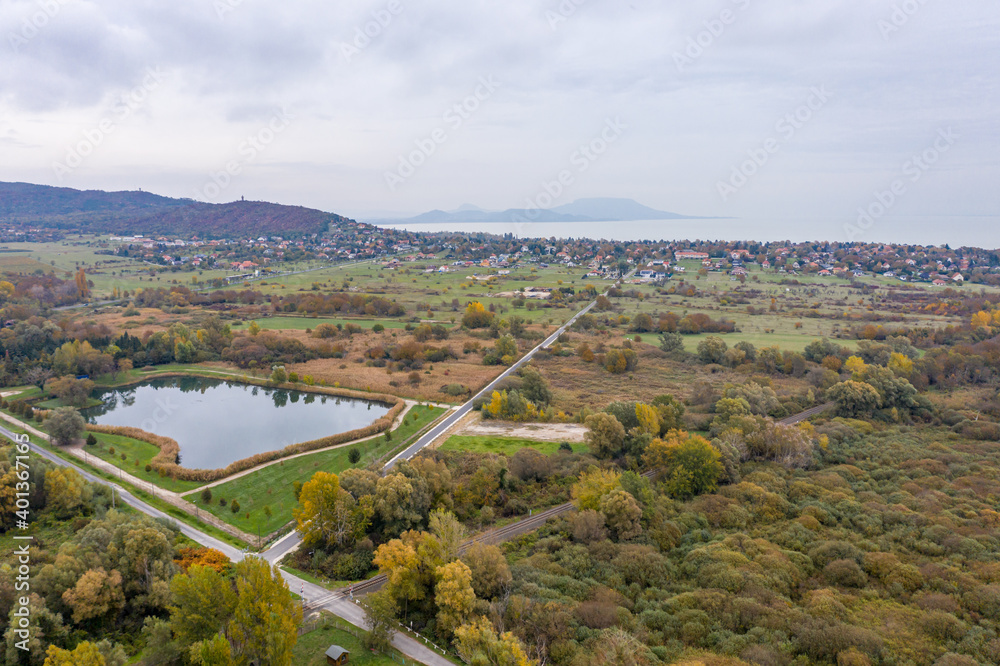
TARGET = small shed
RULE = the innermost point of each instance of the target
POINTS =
(337, 656)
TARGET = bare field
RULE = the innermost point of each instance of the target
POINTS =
(545, 432)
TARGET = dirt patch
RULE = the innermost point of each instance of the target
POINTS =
(545, 432)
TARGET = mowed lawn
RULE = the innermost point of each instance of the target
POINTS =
(137, 454)
(505, 445)
(312, 646)
(272, 486)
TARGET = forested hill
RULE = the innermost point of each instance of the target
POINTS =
(24, 204)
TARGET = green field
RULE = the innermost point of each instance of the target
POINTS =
(505, 445)
(310, 649)
(138, 454)
(272, 485)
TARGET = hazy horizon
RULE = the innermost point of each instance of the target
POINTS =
(738, 108)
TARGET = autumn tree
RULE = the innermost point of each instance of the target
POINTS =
(478, 643)
(203, 602)
(72, 391)
(328, 516)
(476, 316)
(266, 620)
(690, 465)
(66, 491)
(712, 349)
(453, 595)
(592, 486)
(622, 514)
(854, 399)
(85, 653)
(605, 435)
(96, 594)
(490, 572)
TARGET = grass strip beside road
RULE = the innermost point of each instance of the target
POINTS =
(505, 445)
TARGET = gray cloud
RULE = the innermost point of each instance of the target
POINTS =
(562, 73)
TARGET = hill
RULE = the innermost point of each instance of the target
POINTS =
(62, 208)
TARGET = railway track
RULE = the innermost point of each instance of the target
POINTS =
(507, 532)
(809, 413)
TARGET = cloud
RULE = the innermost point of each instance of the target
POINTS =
(565, 66)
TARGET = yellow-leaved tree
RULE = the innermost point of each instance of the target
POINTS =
(454, 595)
(478, 643)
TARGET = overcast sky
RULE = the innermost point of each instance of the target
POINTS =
(672, 97)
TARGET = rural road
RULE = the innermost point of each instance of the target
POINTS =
(340, 607)
(451, 420)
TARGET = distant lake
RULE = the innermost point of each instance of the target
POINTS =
(217, 422)
(976, 231)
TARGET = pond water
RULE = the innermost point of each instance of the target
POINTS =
(217, 422)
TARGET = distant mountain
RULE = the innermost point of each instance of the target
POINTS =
(149, 214)
(616, 210)
(581, 210)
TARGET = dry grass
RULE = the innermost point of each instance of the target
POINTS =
(576, 384)
(467, 370)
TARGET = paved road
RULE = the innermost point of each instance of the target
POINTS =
(123, 495)
(340, 607)
(447, 424)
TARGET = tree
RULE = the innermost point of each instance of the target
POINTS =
(854, 399)
(65, 425)
(592, 486)
(490, 572)
(672, 343)
(398, 561)
(643, 323)
(354, 455)
(605, 435)
(278, 375)
(620, 361)
(85, 654)
(476, 316)
(66, 491)
(648, 417)
(328, 515)
(214, 651)
(671, 412)
(265, 623)
(71, 390)
(449, 532)
(453, 595)
(712, 350)
(96, 594)
(621, 513)
(534, 387)
(400, 502)
(689, 463)
(380, 615)
(203, 602)
(478, 643)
